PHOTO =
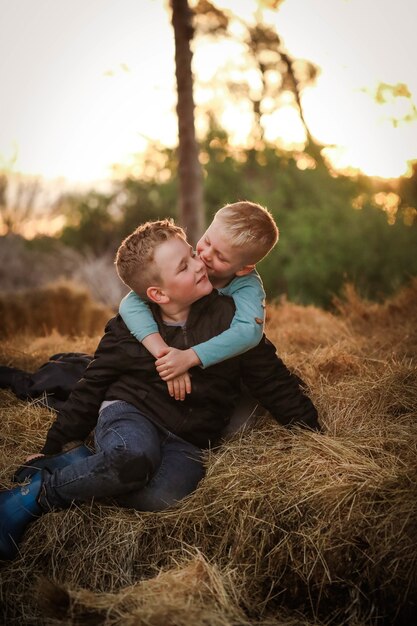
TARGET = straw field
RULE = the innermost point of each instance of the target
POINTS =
(288, 528)
(62, 306)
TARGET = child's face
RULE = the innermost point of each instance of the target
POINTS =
(183, 274)
(220, 258)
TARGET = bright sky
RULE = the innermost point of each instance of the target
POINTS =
(84, 83)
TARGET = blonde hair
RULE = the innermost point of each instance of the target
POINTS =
(135, 256)
(249, 226)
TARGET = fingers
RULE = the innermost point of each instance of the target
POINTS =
(179, 386)
(166, 375)
(165, 371)
(161, 361)
(187, 381)
(176, 389)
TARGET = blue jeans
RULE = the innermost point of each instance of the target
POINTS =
(137, 464)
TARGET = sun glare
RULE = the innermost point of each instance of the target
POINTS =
(72, 109)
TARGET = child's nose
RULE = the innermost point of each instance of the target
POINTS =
(206, 253)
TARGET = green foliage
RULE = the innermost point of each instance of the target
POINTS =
(324, 241)
(90, 224)
(98, 222)
(327, 245)
(145, 200)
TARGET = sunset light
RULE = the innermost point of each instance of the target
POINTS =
(86, 85)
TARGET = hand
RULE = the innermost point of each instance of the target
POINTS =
(179, 386)
(173, 362)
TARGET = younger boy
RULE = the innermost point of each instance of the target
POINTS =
(240, 235)
(148, 446)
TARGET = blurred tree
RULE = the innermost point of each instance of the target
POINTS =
(328, 236)
(278, 74)
(189, 170)
(144, 200)
(407, 189)
(91, 226)
(19, 201)
(333, 229)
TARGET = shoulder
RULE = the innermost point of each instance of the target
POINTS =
(117, 335)
(251, 280)
(220, 302)
(116, 326)
(215, 307)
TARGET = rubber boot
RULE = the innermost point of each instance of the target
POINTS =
(18, 507)
(50, 462)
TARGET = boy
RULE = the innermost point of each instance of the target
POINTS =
(148, 446)
(240, 235)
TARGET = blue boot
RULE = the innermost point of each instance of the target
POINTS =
(18, 507)
(50, 462)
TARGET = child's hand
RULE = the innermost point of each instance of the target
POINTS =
(173, 362)
(179, 386)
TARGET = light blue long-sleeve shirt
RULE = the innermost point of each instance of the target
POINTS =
(244, 333)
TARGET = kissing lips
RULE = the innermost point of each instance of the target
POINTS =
(203, 277)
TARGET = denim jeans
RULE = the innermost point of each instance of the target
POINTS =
(137, 464)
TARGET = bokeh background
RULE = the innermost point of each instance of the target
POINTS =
(306, 106)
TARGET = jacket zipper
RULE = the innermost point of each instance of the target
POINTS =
(185, 336)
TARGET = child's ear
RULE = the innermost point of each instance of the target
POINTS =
(246, 269)
(157, 295)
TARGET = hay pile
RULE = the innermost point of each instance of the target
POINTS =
(288, 528)
(63, 307)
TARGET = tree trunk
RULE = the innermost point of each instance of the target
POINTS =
(191, 214)
(312, 147)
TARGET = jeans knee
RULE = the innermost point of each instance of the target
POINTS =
(132, 466)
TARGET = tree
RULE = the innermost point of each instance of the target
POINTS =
(189, 169)
(279, 75)
(21, 199)
(90, 226)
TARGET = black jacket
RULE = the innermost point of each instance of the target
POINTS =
(122, 369)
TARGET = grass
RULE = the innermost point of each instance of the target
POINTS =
(286, 529)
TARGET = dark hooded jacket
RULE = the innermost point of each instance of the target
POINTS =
(122, 369)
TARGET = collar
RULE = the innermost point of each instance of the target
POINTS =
(197, 309)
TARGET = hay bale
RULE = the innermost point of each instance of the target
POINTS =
(390, 325)
(62, 306)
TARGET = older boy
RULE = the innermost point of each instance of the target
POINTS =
(240, 235)
(148, 446)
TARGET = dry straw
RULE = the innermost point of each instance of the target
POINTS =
(63, 307)
(287, 528)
